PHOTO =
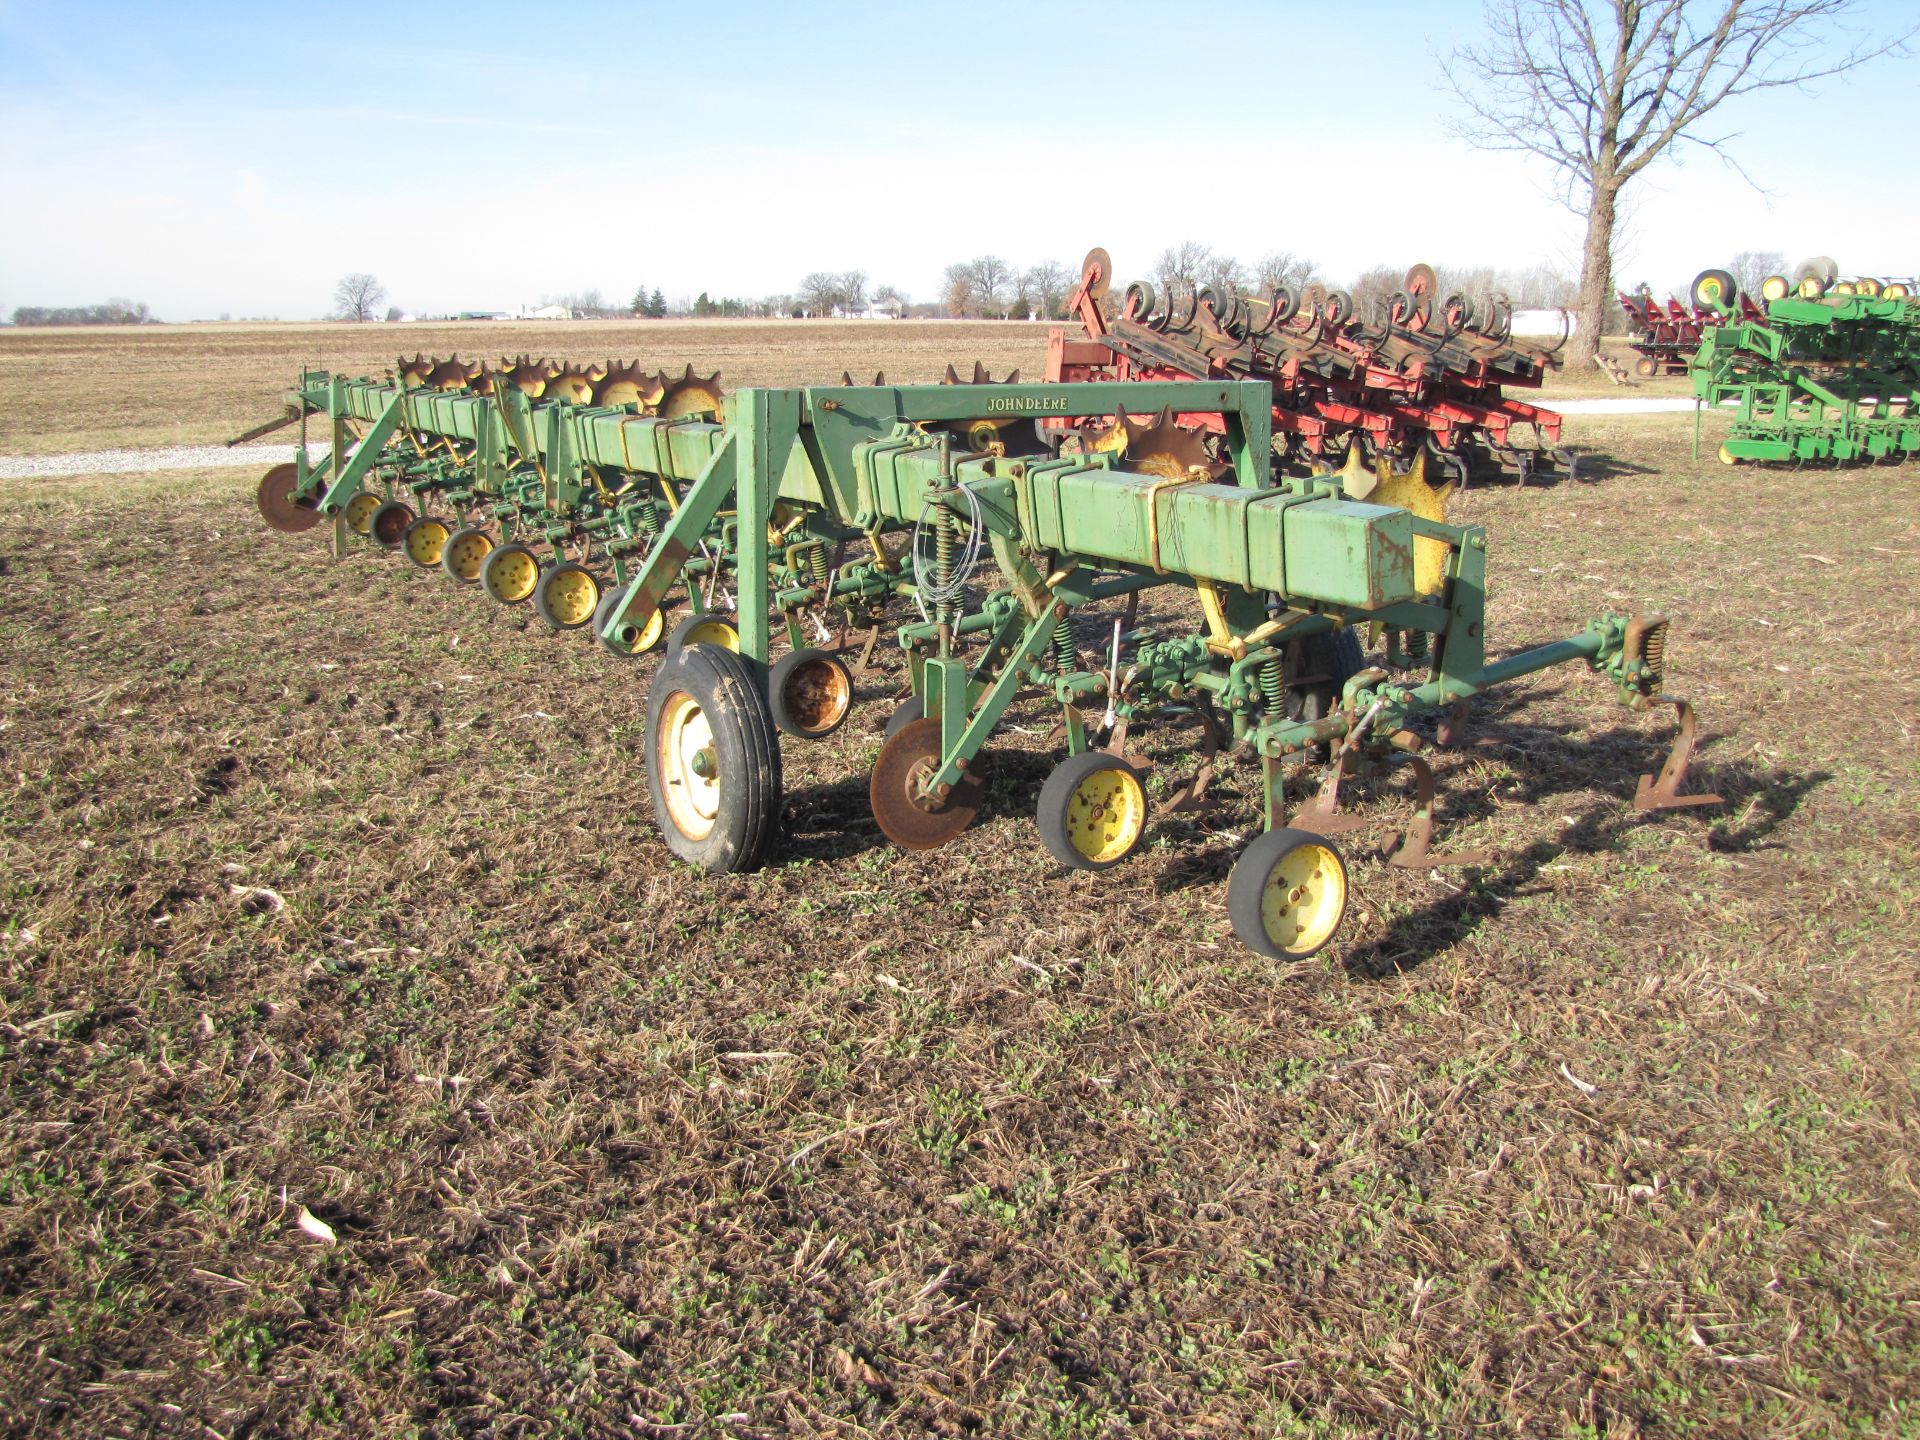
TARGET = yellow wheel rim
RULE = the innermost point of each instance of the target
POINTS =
(1868, 287)
(426, 542)
(359, 512)
(1895, 291)
(511, 578)
(713, 632)
(572, 596)
(649, 634)
(688, 766)
(1105, 814)
(467, 554)
(1304, 898)
(1774, 287)
(1727, 457)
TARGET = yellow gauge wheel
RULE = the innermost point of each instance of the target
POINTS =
(688, 765)
(425, 539)
(1727, 457)
(1895, 290)
(510, 573)
(1287, 894)
(704, 629)
(464, 553)
(1093, 811)
(359, 512)
(1775, 287)
(567, 596)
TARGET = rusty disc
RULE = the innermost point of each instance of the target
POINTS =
(279, 508)
(906, 818)
(1097, 272)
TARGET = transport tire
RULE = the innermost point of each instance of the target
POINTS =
(713, 760)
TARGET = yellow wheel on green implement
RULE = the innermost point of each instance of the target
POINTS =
(424, 541)
(464, 553)
(709, 628)
(1287, 894)
(567, 596)
(1093, 811)
(1727, 457)
(358, 512)
(510, 574)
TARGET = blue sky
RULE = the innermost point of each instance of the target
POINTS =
(238, 158)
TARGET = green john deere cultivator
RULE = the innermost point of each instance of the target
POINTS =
(1014, 531)
(1830, 370)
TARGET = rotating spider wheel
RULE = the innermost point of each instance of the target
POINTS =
(425, 540)
(1093, 811)
(713, 760)
(631, 638)
(567, 595)
(389, 524)
(1287, 894)
(510, 574)
(464, 553)
(810, 693)
(359, 512)
(910, 818)
(280, 507)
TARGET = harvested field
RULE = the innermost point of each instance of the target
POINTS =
(366, 1066)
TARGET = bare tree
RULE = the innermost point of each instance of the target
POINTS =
(1600, 89)
(357, 296)
(1282, 267)
(1371, 290)
(1750, 267)
(992, 278)
(821, 291)
(1224, 274)
(853, 289)
(1048, 283)
(1178, 269)
(956, 291)
(891, 297)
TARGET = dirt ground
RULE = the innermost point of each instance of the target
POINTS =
(99, 387)
(367, 1067)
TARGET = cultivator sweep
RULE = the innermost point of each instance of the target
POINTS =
(1829, 371)
(1022, 549)
(1666, 337)
(1421, 383)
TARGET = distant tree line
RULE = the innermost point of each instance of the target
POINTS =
(115, 312)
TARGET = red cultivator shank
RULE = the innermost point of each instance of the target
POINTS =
(1423, 379)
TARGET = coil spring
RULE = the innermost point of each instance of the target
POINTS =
(1273, 685)
(649, 517)
(1416, 645)
(943, 555)
(1653, 652)
(817, 563)
(1064, 653)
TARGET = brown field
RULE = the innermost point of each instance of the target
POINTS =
(329, 889)
(100, 388)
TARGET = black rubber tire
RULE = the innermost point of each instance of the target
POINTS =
(542, 596)
(791, 713)
(746, 754)
(911, 709)
(390, 523)
(677, 637)
(1337, 654)
(1055, 806)
(1247, 885)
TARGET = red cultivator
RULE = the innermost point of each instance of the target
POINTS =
(1665, 337)
(1425, 380)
